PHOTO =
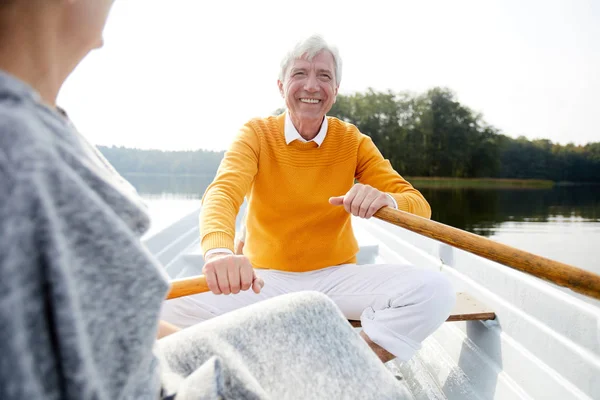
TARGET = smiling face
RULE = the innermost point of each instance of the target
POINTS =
(309, 88)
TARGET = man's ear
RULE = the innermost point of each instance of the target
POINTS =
(280, 85)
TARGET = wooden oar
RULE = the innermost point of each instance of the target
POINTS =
(187, 286)
(576, 279)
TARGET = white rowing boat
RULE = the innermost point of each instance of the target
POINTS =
(544, 342)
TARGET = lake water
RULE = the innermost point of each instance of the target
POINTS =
(562, 223)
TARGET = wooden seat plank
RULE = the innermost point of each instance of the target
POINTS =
(468, 308)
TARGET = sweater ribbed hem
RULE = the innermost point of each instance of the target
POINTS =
(216, 240)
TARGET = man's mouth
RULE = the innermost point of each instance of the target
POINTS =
(310, 101)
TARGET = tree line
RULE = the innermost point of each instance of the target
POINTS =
(433, 135)
(429, 135)
(127, 161)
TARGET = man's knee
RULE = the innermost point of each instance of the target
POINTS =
(435, 295)
(444, 294)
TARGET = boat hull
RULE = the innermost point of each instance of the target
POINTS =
(544, 343)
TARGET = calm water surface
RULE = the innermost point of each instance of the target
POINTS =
(562, 223)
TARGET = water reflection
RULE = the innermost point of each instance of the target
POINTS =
(181, 186)
(471, 209)
(483, 210)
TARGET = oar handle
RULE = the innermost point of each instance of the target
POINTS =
(187, 286)
(576, 279)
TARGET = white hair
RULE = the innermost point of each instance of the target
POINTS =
(309, 48)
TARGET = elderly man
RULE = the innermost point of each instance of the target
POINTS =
(298, 172)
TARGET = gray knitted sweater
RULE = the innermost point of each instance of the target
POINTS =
(79, 294)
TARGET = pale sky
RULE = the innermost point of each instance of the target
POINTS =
(187, 74)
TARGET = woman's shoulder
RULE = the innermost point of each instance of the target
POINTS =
(25, 141)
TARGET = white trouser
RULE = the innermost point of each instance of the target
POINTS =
(398, 305)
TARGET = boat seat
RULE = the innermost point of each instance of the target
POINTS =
(467, 308)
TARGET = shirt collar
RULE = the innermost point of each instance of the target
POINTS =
(292, 134)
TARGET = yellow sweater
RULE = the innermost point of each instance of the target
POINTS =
(290, 224)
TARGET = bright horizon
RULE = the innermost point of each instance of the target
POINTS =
(188, 75)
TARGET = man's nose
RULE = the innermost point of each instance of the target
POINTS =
(312, 83)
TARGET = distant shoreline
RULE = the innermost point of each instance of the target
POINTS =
(421, 181)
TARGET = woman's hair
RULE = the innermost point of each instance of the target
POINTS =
(309, 48)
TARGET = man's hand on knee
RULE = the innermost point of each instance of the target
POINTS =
(227, 273)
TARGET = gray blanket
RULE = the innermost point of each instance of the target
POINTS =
(295, 346)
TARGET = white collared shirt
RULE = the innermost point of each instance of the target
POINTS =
(291, 133)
